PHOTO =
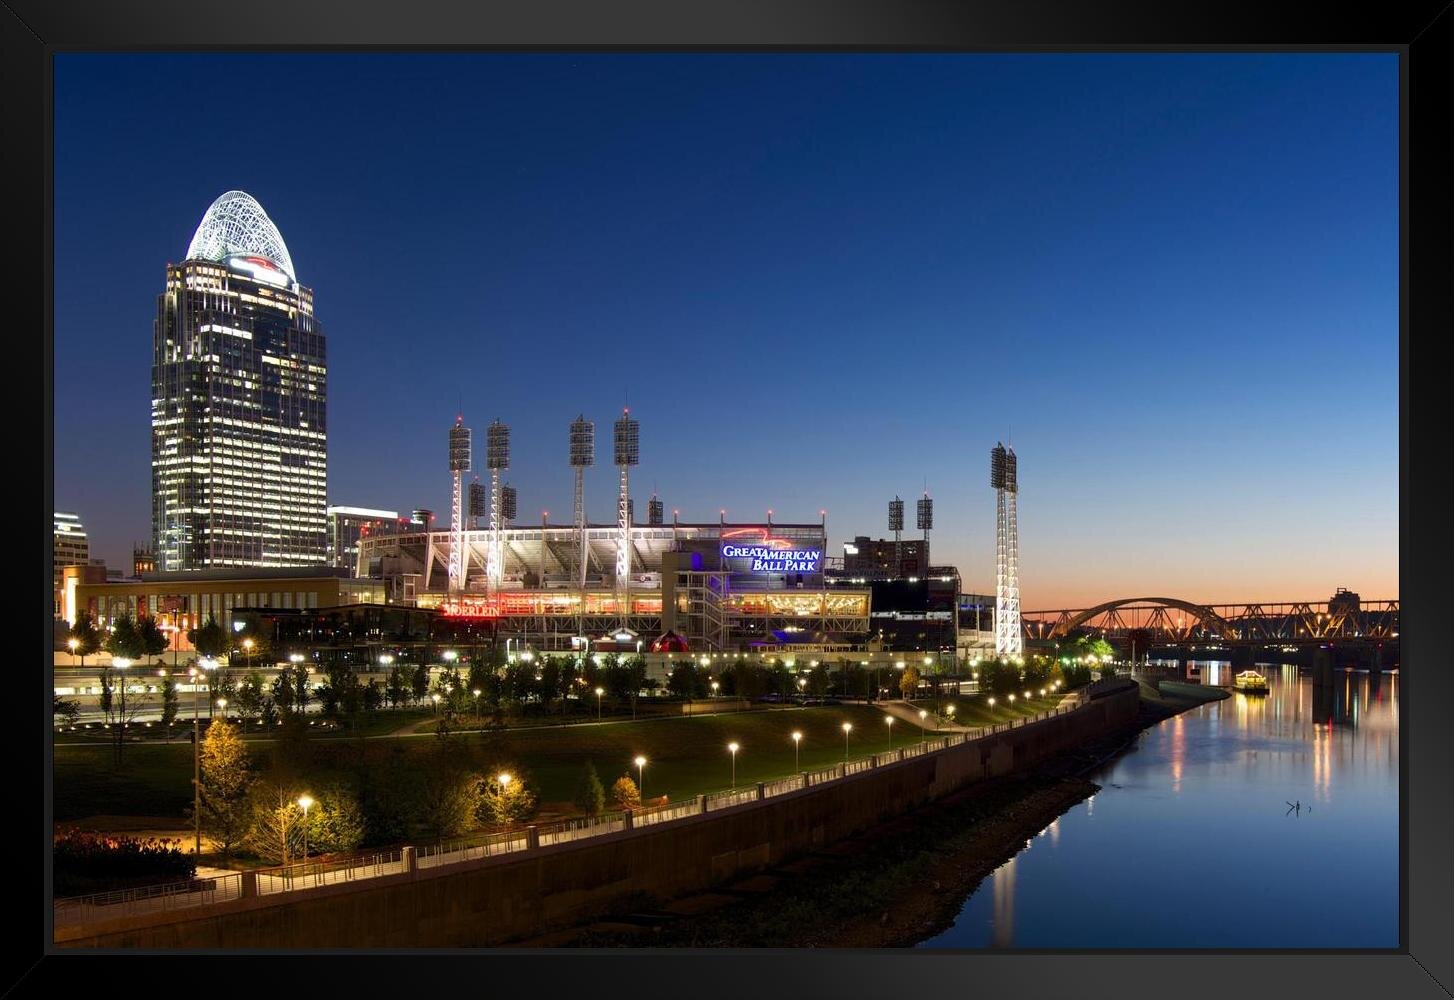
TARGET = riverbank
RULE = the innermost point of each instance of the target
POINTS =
(893, 886)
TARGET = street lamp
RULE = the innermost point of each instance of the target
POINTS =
(923, 714)
(477, 704)
(992, 701)
(247, 645)
(73, 643)
(889, 721)
(641, 778)
(847, 728)
(222, 707)
(304, 801)
(950, 711)
(797, 739)
(732, 748)
(714, 689)
(435, 698)
(599, 692)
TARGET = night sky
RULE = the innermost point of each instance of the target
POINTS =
(1170, 281)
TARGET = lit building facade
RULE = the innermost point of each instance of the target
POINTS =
(70, 547)
(346, 524)
(184, 601)
(239, 402)
(721, 586)
(875, 558)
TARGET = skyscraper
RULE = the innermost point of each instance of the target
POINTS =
(239, 402)
(1005, 479)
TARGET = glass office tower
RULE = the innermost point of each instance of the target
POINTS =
(239, 402)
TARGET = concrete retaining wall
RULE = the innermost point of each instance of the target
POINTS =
(494, 900)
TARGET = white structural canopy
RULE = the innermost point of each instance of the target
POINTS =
(236, 224)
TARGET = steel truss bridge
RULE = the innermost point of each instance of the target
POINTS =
(1173, 621)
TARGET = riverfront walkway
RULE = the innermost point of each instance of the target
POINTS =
(214, 887)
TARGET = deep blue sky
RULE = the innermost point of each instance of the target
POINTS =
(820, 279)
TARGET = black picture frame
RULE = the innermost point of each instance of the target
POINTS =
(1422, 33)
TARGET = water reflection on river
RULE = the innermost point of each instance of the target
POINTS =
(1190, 842)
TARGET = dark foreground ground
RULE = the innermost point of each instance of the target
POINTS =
(892, 886)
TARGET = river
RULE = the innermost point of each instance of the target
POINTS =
(1191, 843)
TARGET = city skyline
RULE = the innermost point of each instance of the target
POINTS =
(1223, 480)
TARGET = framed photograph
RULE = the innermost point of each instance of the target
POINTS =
(541, 483)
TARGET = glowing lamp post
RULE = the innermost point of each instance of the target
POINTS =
(732, 748)
(435, 698)
(847, 728)
(950, 712)
(641, 777)
(923, 715)
(305, 801)
(797, 739)
(889, 722)
(714, 689)
(599, 692)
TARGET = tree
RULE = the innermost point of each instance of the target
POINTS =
(506, 803)
(150, 637)
(449, 800)
(124, 643)
(249, 697)
(419, 682)
(549, 681)
(336, 820)
(590, 797)
(625, 793)
(1037, 672)
(373, 695)
(169, 703)
(88, 638)
(211, 639)
(64, 712)
(388, 793)
(226, 775)
(999, 678)
(909, 682)
(283, 692)
(396, 687)
(107, 698)
(683, 681)
(275, 832)
(818, 680)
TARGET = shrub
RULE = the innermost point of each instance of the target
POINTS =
(90, 862)
(336, 821)
(625, 793)
(505, 804)
(590, 797)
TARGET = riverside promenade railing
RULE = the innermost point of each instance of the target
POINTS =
(229, 888)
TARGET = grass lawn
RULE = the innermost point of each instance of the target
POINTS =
(686, 755)
(974, 709)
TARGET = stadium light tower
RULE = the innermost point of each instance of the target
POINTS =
(926, 521)
(628, 453)
(497, 459)
(896, 525)
(479, 506)
(459, 464)
(582, 457)
(1004, 478)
